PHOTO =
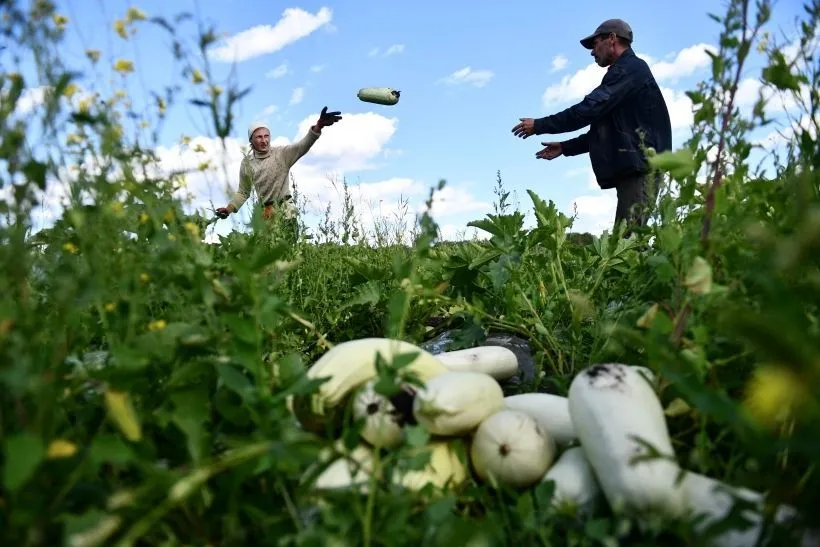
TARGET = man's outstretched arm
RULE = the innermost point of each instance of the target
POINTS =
(293, 152)
(242, 194)
(616, 85)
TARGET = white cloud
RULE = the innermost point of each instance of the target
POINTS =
(777, 137)
(573, 87)
(294, 25)
(679, 105)
(297, 96)
(394, 49)
(687, 61)
(317, 68)
(559, 62)
(468, 76)
(30, 99)
(458, 232)
(351, 144)
(596, 211)
(454, 200)
(278, 72)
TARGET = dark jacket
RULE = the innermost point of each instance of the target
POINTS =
(627, 102)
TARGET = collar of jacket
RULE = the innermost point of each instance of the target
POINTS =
(628, 52)
(259, 155)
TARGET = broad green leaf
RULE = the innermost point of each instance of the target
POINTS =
(779, 74)
(191, 409)
(680, 163)
(23, 454)
(670, 237)
(110, 449)
(699, 278)
(234, 379)
(416, 435)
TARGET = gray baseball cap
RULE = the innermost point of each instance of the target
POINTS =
(618, 26)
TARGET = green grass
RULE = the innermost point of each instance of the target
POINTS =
(144, 377)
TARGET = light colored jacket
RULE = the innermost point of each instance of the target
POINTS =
(269, 173)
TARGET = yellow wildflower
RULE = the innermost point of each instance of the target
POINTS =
(144, 218)
(157, 325)
(61, 448)
(110, 307)
(93, 55)
(59, 20)
(197, 77)
(70, 247)
(117, 208)
(70, 90)
(119, 26)
(168, 216)
(773, 393)
(204, 165)
(216, 90)
(199, 148)
(134, 14)
(144, 277)
(192, 228)
(122, 66)
(74, 138)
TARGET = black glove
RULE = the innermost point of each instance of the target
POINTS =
(328, 118)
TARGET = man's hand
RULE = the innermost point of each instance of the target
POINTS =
(223, 212)
(328, 118)
(550, 151)
(525, 128)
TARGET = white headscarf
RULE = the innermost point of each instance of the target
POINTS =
(254, 126)
(251, 128)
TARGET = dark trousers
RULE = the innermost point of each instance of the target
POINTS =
(636, 199)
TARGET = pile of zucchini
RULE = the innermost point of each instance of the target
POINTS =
(595, 444)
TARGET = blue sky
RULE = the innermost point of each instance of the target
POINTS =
(466, 76)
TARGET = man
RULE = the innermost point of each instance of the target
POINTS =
(626, 111)
(268, 169)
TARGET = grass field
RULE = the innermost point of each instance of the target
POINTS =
(145, 374)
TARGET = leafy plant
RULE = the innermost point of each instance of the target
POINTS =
(145, 374)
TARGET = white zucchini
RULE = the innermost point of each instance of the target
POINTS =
(382, 422)
(550, 411)
(444, 468)
(351, 469)
(711, 499)
(497, 361)
(454, 403)
(348, 365)
(510, 448)
(609, 404)
(379, 95)
(647, 373)
(575, 482)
